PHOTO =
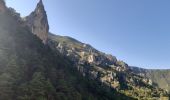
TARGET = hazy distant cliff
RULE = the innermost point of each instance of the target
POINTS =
(159, 77)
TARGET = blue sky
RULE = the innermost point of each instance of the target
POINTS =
(136, 31)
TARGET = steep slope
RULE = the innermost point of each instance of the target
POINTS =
(104, 68)
(159, 78)
(30, 70)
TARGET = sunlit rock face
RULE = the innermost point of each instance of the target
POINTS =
(2, 6)
(38, 23)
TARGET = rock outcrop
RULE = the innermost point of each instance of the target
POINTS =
(38, 23)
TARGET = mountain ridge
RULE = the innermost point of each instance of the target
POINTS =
(49, 57)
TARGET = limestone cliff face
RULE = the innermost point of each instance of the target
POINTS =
(3, 7)
(38, 23)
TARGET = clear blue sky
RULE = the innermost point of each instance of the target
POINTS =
(136, 31)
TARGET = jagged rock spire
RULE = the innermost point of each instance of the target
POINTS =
(40, 6)
(38, 23)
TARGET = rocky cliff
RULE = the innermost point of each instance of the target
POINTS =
(38, 23)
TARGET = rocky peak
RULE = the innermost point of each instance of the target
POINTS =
(40, 8)
(2, 6)
(38, 23)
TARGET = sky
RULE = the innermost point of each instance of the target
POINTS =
(135, 31)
